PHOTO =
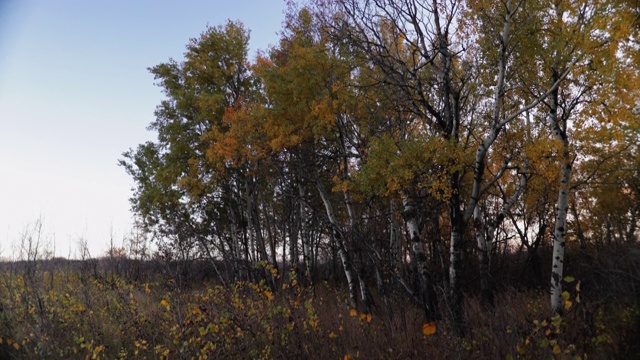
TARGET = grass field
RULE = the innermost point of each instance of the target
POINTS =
(101, 310)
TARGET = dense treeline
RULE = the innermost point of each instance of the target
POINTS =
(403, 147)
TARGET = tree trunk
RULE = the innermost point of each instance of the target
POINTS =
(485, 235)
(357, 246)
(419, 262)
(235, 244)
(342, 250)
(484, 241)
(271, 233)
(562, 206)
(455, 289)
(394, 241)
(305, 237)
(455, 261)
(254, 221)
(294, 232)
(557, 265)
(579, 232)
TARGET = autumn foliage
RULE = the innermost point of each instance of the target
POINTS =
(403, 150)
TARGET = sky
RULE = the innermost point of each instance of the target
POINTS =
(75, 94)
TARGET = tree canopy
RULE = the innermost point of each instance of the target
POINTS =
(383, 139)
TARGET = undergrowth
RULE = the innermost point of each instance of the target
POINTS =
(66, 313)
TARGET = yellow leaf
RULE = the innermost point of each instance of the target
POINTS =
(567, 304)
(332, 335)
(557, 349)
(429, 328)
(164, 303)
(16, 346)
(347, 357)
(353, 312)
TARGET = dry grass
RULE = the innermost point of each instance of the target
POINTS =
(70, 315)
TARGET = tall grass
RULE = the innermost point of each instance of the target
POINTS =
(64, 316)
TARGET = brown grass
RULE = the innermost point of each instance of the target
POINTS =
(96, 318)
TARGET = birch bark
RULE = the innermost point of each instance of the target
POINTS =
(419, 261)
(562, 206)
(342, 250)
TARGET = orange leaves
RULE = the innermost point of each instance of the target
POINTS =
(240, 139)
(365, 317)
(429, 328)
(11, 343)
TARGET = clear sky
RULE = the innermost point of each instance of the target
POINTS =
(75, 94)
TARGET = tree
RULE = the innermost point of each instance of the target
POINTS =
(181, 193)
(441, 83)
(369, 115)
(305, 81)
(581, 41)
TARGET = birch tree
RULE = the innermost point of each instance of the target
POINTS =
(583, 40)
(305, 80)
(435, 83)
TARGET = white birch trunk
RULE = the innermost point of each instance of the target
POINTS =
(454, 258)
(484, 241)
(559, 131)
(358, 261)
(339, 239)
(419, 259)
(455, 289)
(557, 265)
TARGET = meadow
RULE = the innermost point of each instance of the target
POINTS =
(120, 308)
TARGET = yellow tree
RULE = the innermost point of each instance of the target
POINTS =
(586, 113)
(306, 81)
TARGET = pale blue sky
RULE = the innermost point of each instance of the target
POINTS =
(75, 94)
